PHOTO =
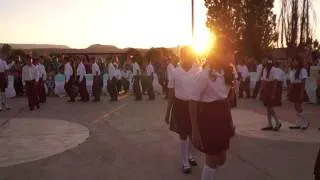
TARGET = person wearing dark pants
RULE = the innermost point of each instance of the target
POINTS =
(3, 84)
(96, 86)
(150, 72)
(244, 80)
(68, 72)
(42, 78)
(29, 77)
(137, 81)
(81, 80)
(257, 87)
(112, 82)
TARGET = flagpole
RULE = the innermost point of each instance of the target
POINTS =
(192, 18)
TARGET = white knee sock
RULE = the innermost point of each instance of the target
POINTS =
(184, 152)
(273, 114)
(191, 150)
(208, 173)
(269, 115)
(303, 120)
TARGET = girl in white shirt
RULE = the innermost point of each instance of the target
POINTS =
(180, 87)
(270, 96)
(297, 93)
(212, 125)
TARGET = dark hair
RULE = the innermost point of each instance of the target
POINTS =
(223, 45)
(268, 67)
(299, 67)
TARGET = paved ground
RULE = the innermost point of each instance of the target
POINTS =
(129, 140)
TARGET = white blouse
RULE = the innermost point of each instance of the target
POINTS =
(272, 76)
(68, 71)
(81, 71)
(95, 69)
(210, 90)
(303, 75)
(136, 71)
(3, 66)
(183, 82)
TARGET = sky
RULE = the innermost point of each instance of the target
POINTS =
(123, 23)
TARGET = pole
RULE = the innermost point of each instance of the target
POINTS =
(192, 18)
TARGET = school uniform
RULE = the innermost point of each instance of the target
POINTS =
(182, 82)
(68, 72)
(267, 93)
(297, 87)
(112, 82)
(30, 76)
(125, 80)
(40, 86)
(81, 80)
(232, 96)
(257, 87)
(3, 83)
(119, 80)
(96, 86)
(136, 81)
(170, 67)
(280, 77)
(214, 115)
(150, 73)
(244, 77)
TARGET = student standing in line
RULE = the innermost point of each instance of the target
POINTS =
(244, 79)
(96, 86)
(257, 87)
(212, 125)
(42, 79)
(297, 93)
(112, 82)
(180, 87)
(81, 80)
(269, 95)
(3, 83)
(136, 72)
(30, 77)
(150, 76)
(68, 72)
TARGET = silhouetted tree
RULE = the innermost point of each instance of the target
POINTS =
(6, 50)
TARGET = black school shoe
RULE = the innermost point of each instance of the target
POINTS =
(277, 128)
(186, 169)
(193, 162)
(268, 128)
(294, 127)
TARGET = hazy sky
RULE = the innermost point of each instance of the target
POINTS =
(80, 23)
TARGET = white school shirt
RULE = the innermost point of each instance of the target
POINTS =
(136, 69)
(183, 82)
(150, 69)
(42, 71)
(303, 75)
(279, 74)
(210, 90)
(68, 71)
(118, 74)
(95, 69)
(272, 76)
(29, 73)
(259, 72)
(124, 74)
(111, 71)
(3, 66)
(81, 71)
(243, 70)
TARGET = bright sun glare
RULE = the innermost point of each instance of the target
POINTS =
(203, 41)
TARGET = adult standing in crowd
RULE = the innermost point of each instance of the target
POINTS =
(96, 86)
(68, 72)
(257, 86)
(136, 72)
(81, 80)
(3, 83)
(16, 71)
(150, 76)
(30, 77)
(112, 82)
(42, 79)
(244, 77)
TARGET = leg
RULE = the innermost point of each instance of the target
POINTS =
(213, 162)
(241, 87)
(256, 89)
(269, 116)
(304, 123)
(247, 87)
(184, 154)
(150, 89)
(29, 95)
(278, 123)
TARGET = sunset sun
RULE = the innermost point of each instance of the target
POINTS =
(203, 41)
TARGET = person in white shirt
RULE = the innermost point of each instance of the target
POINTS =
(297, 93)
(68, 72)
(211, 119)
(29, 78)
(150, 73)
(119, 79)
(112, 82)
(136, 72)
(180, 87)
(81, 80)
(42, 80)
(3, 83)
(244, 79)
(257, 86)
(269, 95)
(125, 79)
(96, 86)
(280, 77)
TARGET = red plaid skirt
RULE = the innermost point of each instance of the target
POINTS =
(294, 94)
(215, 126)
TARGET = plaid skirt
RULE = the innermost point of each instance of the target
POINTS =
(267, 94)
(180, 118)
(215, 126)
(294, 94)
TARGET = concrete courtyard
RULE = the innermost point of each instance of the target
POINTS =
(129, 140)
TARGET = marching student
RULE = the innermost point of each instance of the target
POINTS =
(212, 124)
(280, 77)
(42, 79)
(180, 87)
(297, 93)
(136, 72)
(270, 96)
(68, 72)
(96, 86)
(170, 67)
(112, 82)
(244, 79)
(81, 80)
(3, 83)
(150, 76)
(29, 77)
